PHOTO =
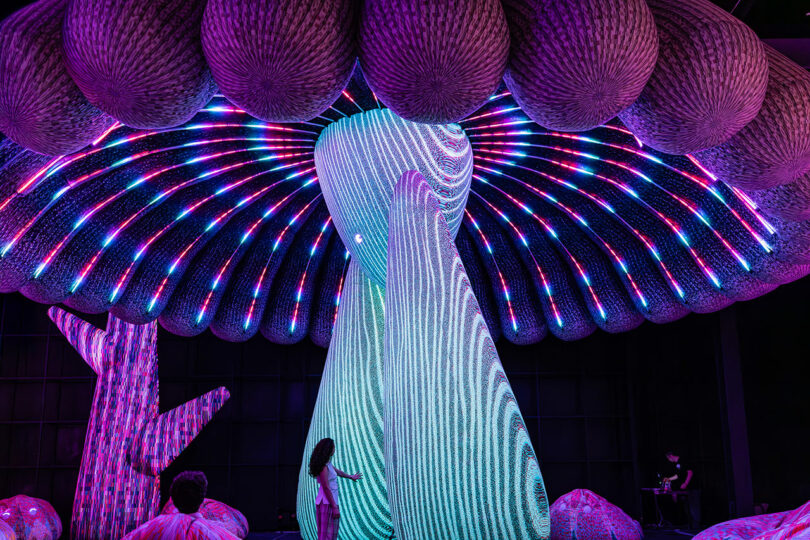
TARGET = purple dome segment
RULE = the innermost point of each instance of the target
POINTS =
(709, 81)
(575, 64)
(41, 108)
(225, 516)
(774, 148)
(792, 525)
(433, 61)
(359, 160)
(280, 60)
(29, 517)
(139, 60)
(583, 515)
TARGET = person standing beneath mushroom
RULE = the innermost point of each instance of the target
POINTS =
(327, 507)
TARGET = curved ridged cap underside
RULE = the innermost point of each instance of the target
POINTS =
(221, 224)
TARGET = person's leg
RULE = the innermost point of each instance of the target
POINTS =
(694, 509)
(322, 516)
(331, 523)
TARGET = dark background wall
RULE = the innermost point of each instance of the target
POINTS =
(600, 411)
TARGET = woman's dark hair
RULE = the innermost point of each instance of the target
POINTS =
(188, 491)
(320, 456)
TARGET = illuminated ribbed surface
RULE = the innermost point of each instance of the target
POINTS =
(6, 532)
(128, 442)
(221, 224)
(281, 60)
(225, 516)
(350, 411)
(774, 148)
(360, 158)
(459, 463)
(139, 61)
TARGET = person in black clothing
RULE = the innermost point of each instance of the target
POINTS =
(681, 477)
(679, 474)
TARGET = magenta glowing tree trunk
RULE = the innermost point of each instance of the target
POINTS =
(128, 442)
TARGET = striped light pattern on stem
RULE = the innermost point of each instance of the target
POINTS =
(359, 159)
(459, 462)
(128, 442)
(212, 224)
(350, 411)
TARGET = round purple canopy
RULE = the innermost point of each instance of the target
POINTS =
(709, 81)
(41, 108)
(433, 61)
(575, 64)
(280, 60)
(139, 61)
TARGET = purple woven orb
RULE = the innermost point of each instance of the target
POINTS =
(280, 60)
(774, 148)
(139, 60)
(790, 202)
(41, 108)
(433, 61)
(575, 64)
(709, 81)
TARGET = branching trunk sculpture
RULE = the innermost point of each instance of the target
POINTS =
(128, 441)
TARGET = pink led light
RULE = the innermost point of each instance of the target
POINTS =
(304, 275)
(260, 284)
(504, 287)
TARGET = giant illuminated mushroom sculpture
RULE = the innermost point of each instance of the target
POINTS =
(449, 235)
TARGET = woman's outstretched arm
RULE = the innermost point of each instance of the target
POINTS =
(356, 476)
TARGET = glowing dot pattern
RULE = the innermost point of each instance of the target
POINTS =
(221, 224)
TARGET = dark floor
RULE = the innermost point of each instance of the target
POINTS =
(649, 534)
(275, 536)
(668, 534)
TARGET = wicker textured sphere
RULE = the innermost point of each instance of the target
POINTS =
(433, 61)
(41, 108)
(575, 64)
(709, 81)
(790, 202)
(280, 60)
(139, 60)
(774, 148)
